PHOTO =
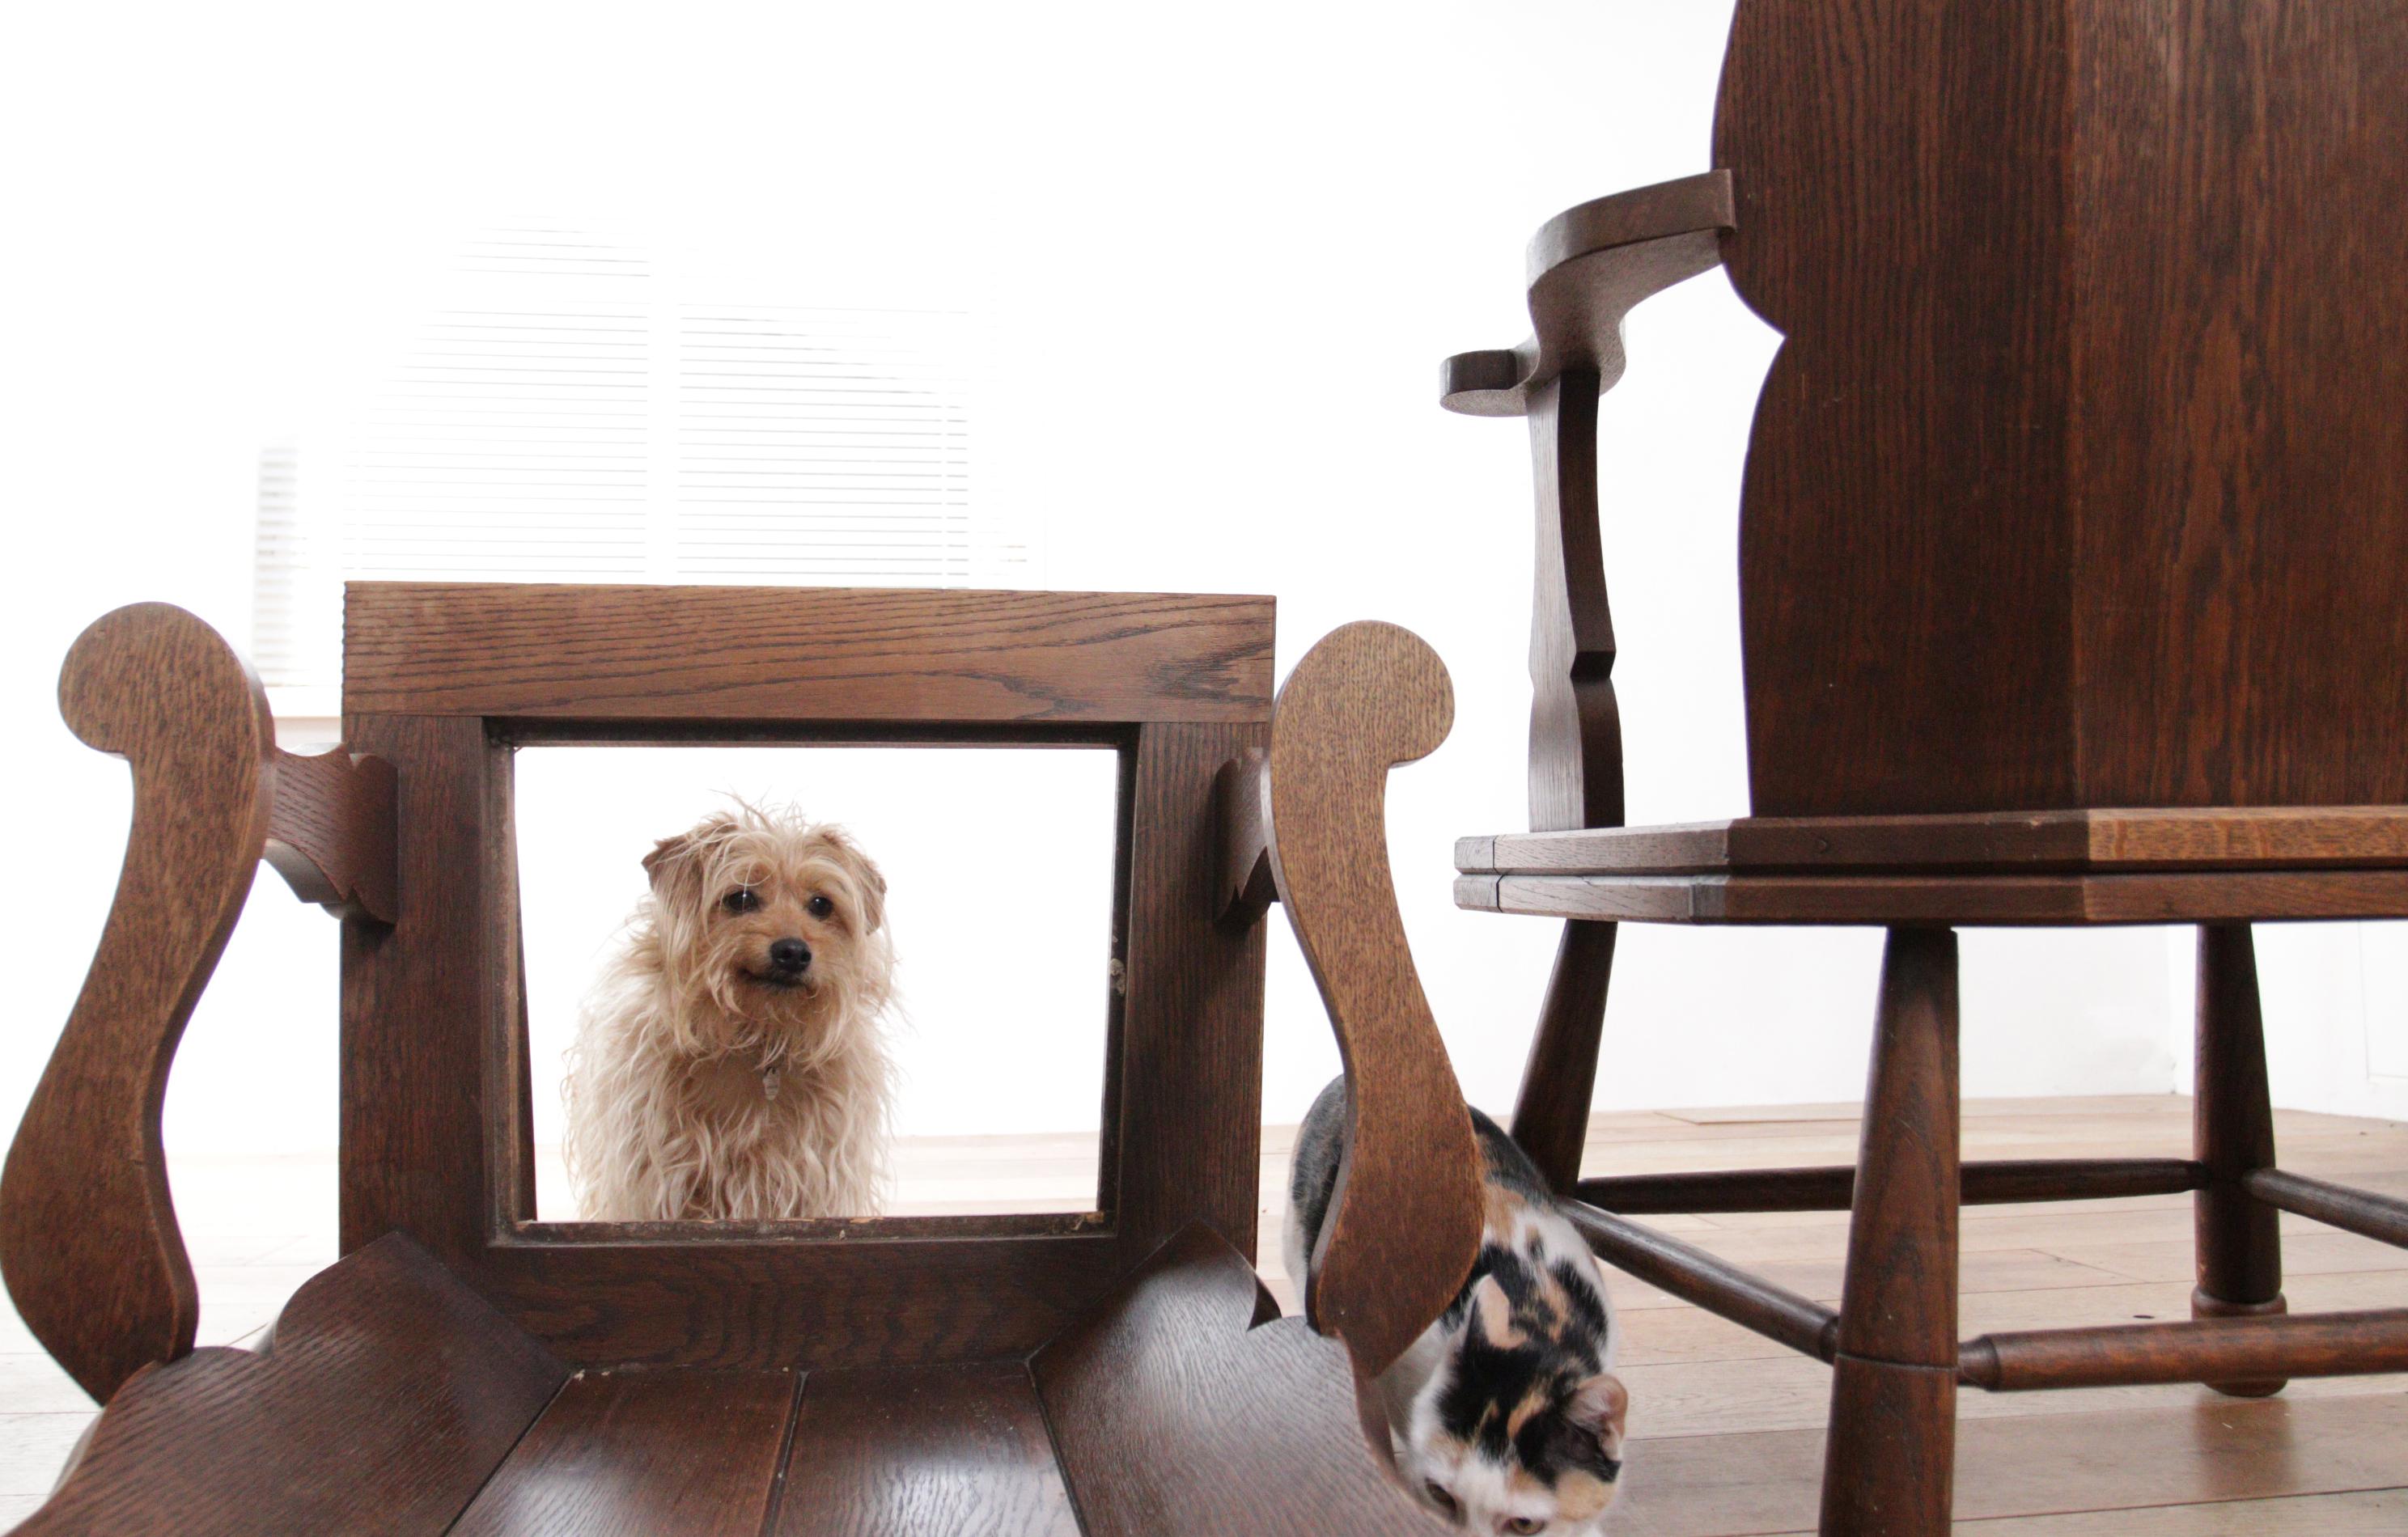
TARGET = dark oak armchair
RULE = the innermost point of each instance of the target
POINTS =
(2072, 552)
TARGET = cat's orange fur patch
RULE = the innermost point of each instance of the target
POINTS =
(1496, 1319)
(1580, 1494)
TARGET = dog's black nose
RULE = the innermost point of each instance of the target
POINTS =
(789, 955)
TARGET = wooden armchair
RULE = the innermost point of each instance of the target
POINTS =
(468, 1367)
(2073, 548)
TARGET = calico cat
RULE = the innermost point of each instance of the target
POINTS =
(1507, 1415)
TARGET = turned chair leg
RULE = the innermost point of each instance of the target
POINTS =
(2232, 1132)
(1550, 1114)
(1890, 1460)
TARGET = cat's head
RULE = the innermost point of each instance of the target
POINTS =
(1514, 1435)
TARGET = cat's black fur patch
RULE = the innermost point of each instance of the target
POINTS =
(1321, 1145)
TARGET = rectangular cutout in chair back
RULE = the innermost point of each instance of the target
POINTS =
(1032, 774)
(814, 981)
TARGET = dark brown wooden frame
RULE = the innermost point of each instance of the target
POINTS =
(446, 682)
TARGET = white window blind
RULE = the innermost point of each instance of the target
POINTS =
(568, 412)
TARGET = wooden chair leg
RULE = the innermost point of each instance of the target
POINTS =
(1889, 1461)
(1550, 1114)
(2239, 1243)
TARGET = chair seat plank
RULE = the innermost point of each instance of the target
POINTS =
(1184, 1405)
(923, 1451)
(644, 1453)
(387, 1394)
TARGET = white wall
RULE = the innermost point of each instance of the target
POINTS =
(998, 862)
(1218, 252)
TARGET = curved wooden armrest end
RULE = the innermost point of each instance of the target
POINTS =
(1588, 267)
(89, 1243)
(1404, 1227)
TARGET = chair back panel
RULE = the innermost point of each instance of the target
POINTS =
(2081, 478)
(445, 681)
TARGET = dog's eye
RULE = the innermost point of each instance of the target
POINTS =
(742, 900)
(822, 906)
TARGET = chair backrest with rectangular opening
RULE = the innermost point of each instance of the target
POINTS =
(445, 681)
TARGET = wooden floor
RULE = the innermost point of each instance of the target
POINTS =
(1726, 1427)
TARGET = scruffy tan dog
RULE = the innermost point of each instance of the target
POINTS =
(730, 1063)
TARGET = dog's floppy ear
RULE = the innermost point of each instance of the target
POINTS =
(674, 863)
(865, 874)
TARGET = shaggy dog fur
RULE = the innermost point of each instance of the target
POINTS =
(729, 1063)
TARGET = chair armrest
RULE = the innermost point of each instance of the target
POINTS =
(1404, 1225)
(1588, 267)
(89, 1242)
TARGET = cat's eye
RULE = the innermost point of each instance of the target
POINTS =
(821, 906)
(1521, 1526)
(1444, 1501)
(742, 900)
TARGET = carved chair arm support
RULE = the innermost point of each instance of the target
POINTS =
(1588, 267)
(1310, 817)
(89, 1243)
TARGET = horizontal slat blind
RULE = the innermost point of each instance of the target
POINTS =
(569, 413)
(822, 444)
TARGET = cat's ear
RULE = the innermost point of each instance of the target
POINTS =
(1599, 1407)
(1492, 1314)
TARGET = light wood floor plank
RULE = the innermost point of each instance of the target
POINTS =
(2380, 1513)
(2041, 1465)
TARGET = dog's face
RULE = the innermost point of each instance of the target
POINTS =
(770, 927)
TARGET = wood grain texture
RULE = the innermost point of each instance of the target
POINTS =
(1708, 1281)
(2053, 498)
(2228, 1350)
(1832, 1188)
(643, 1454)
(1970, 901)
(387, 1393)
(94, 1261)
(1575, 765)
(923, 1451)
(422, 999)
(330, 830)
(1588, 268)
(1404, 1224)
(734, 1303)
(2011, 843)
(2383, 1218)
(1242, 888)
(2238, 358)
(1187, 1101)
(622, 653)
(2232, 1136)
(1576, 757)
(1889, 1459)
(1184, 1406)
